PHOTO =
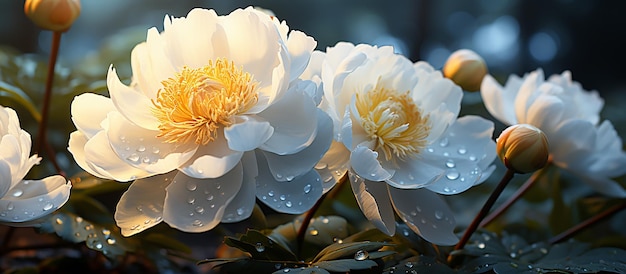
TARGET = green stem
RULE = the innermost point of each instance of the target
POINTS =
(516, 196)
(587, 223)
(485, 209)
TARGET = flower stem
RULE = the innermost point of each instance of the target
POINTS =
(483, 212)
(587, 223)
(41, 134)
(309, 214)
(516, 196)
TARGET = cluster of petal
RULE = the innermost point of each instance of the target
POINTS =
(24, 200)
(399, 166)
(570, 118)
(209, 123)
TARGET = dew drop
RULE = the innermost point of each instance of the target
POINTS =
(271, 193)
(191, 200)
(139, 208)
(450, 163)
(98, 245)
(430, 149)
(141, 149)
(259, 247)
(438, 214)
(481, 245)
(446, 189)
(473, 157)
(240, 211)
(133, 158)
(200, 209)
(361, 255)
(197, 222)
(452, 174)
(59, 221)
(79, 219)
(191, 186)
(200, 171)
(443, 142)
(314, 232)
(155, 150)
(462, 150)
(405, 233)
(307, 188)
(106, 232)
(282, 197)
(288, 204)
(145, 159)
(110, 241)
(48, 206)
(17, 192)
(289, 178)
(209, 198)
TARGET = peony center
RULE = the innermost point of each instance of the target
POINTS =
(195, 103)
(393, 121)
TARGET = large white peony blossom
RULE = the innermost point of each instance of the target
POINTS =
(570, 118)
(398, 136)
(24, 200)
(214, 117)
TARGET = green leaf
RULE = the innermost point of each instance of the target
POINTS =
(345, 265)
(16, 94)
(344, 250)
(420, 264)
(261, 247)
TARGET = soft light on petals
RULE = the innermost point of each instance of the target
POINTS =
(141, 206)
(134, 105)
(459, 175)
(497, 100)
(294, 197)
(300, 47)
(241, 206)
(212, 160)
(142, 148)
(6, 178)
(248, 133)
(98, 153)
(32, 199)
(413, 174)
(295, 131)
(288, 166)
(525, 93)
(365, 163)
(76, 146)
(545, 112)
(373, 199)
(425, 213)
(197, 205)
(88, 111)
(333, 165)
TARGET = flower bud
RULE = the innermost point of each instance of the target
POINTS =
(465, 68)
(523, 148)
(54, 15)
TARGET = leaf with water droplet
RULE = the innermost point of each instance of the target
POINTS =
(345, 265)
(347, 250)
(251, 242)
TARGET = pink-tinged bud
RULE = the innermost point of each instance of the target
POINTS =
(523, 148)
(54, 15)
(465, 68)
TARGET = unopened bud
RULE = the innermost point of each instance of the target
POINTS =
(465, 68)
(54, 15)
(523, 148)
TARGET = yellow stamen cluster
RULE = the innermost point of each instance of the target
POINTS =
(394, 121)
(192, 105)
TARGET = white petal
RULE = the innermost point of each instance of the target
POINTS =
(5, 177)
(425, 213)
(545, 113)
(241, 206)
(248, 133)
(609, 159)
(294, 120)
(365, 163)
(100, 157)
(76, 146)
(300, 47)
(19, 163)
(526, 91)
(142, 148)
(134, 105)
(293, 165)
(574, 145)
(463, 175)
(499, 101)
(212, 160)
(32, 199)
(292, 197)
(141, 206)
(413, 173)
(333, 165)
(88, 111)
(604, 185)
(197, 205)
(373, 199)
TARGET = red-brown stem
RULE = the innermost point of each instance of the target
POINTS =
(587, 223)
(42, 131)
(516, 196)
(485, 209)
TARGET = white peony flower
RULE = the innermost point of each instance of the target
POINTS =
(214, 117)
(24, 200)
(397, 133)
(569, 116)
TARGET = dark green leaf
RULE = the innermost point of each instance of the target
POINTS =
(419, 264)
(164, 241)
(346, 250)
(345, 265)
(261, 247)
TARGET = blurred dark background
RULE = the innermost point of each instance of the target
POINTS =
(585, 37)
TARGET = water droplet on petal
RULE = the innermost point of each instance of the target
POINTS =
(452, 174)
(191, 200)
(289, 178)
(288, 204)
(191, 186)
(110, 241)
(307, 188)
(133, 158)
(259, 247)
(282, 197)
(446, 189)
(48, 206)
(314, 232)
(438, 214)
(141, 149)
(209, 198)
(361, 255)
(462, 150)
(443, 142)
(106, 232)
(271, 193)
(325, 220)
(240, 211)
(200, 209)
(197, 223)
(17, 192)
(473, 157)
(155, 150)
(450, 163)
(481, 245)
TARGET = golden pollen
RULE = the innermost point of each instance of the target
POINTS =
(194, 103)
(393, 121)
